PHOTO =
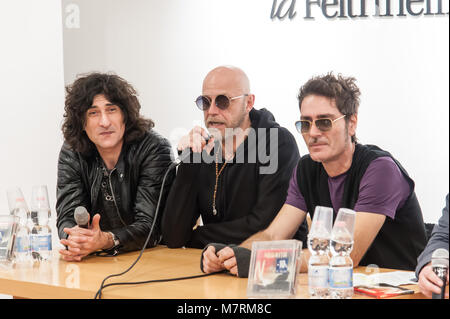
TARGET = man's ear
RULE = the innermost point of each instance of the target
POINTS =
(352, 124)
(250, 102)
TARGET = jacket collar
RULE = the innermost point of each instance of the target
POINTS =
(120, 165)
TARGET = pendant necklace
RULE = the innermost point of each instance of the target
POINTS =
(217, 179)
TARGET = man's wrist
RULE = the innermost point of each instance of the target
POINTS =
(109, 240)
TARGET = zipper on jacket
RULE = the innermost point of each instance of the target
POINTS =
(92, 188)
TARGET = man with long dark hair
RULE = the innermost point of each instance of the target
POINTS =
(112, 163)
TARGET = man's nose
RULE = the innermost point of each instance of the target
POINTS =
(104, 120)
(314, 131)
(213, 109)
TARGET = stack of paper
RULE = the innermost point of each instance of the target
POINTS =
(394, 278)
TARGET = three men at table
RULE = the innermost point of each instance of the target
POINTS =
(112, 163)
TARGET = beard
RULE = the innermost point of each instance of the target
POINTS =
(231, 129)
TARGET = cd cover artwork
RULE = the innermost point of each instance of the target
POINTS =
(273, 268)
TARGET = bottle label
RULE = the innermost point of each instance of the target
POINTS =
(341, 277)
(41, 242)
(318, 276)
(22, 244)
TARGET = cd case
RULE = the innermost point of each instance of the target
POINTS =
(274, 266)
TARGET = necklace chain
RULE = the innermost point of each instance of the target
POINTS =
(217, 180)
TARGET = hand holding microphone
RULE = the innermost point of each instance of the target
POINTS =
(439, 264)
(84, 238)
(433, 278)
(82, 217)
(197, 140)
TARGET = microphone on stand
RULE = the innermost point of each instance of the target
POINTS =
(82, 217)
(439, 264)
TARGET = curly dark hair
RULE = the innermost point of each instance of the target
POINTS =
(342, 90)
(79, 99)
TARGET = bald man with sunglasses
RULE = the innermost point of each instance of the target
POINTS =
(228, 180)
(339, 172)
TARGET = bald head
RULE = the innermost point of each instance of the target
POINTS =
(234, 84)
(226, 79)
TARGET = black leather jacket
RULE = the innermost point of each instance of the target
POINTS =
(135, 182)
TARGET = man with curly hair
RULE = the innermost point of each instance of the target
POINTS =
(112, 163)
(339, 173)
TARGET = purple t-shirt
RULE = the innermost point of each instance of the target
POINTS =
(382, 190)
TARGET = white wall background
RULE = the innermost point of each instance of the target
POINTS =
(165, 48)
(31, 96)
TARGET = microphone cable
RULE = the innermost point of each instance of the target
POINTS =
(159, 280)
(99, 292)
(98, 295)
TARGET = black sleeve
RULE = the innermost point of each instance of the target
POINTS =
(70, 190)
(157, 157)
(181, 210)
(241, 254)
(272, 192)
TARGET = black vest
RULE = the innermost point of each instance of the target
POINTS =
(399, 241)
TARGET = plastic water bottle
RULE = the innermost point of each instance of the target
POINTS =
(41, 236)
(22, 246)
(41, 233)
(341, 265)
(318, 245)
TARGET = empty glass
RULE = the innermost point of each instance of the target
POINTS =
(40, 207)
(320, 232)
(344, 227)
(18, 208)
(17, 204)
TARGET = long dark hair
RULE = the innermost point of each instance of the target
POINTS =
(79, 99)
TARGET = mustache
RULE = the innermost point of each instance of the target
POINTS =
(314, 140)
(213, 119)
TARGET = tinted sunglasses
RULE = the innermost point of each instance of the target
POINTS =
(222, 101)
(324, 125)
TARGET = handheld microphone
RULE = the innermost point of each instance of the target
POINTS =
(439, 264)
(82, 217)
(186, 153)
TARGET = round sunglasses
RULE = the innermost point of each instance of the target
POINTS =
(222, 101)
(324, 125)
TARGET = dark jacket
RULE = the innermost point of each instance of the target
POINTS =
(246, 201)
(438, 239)
(399, 241)
(135, 182)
